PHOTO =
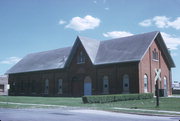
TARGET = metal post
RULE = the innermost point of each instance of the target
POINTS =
(157, 93)
(7, 88)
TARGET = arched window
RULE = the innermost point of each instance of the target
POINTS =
(145, 83)
(105, 85)
(165, 87)
(126, 83)
(59, 86)
(46, 86)
(155, 55)
(81, 58)
(165, 83)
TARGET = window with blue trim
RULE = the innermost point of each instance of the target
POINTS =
(155, 55)
(81, 58)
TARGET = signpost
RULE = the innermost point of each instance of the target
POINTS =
(157, 79)
(157, 94)
(7, 88)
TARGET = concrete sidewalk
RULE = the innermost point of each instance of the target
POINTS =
(33, 104)
(117, 108)
(145, 110)
(175, 96)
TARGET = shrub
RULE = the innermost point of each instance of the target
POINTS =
(116, 97)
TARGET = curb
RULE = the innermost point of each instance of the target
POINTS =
(146, 112)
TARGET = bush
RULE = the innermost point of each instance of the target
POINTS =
(114, 98)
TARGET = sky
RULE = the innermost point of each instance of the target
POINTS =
(28, 26)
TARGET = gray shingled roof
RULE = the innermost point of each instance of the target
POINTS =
(47, 60)
(91, 46)
(126, 49)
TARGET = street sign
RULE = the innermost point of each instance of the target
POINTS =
(158, 74)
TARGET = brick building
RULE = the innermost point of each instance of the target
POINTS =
(3, 85)
(91, 67)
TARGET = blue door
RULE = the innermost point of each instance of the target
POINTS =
(87, 86)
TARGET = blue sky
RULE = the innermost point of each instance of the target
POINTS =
(28, 26)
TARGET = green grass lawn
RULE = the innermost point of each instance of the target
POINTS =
(171, 104)
(43, 100)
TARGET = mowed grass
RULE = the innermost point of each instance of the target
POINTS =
(170, 104)
(22, 106)
(63, 101)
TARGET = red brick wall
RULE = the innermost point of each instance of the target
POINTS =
(39, 79)
(80, 71)
(75, 87)
(148, 65)
(115, 73)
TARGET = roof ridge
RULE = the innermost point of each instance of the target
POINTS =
(48, 50)
(119, 50)
(131, 35)
(157, 32)
(92, 39)
(124, 48)
(91, 47)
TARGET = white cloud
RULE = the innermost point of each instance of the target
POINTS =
(11, 60)
(95, 2)
(62, 22)
(175, 24)
(117, 34)
(106, 8)
(81, 24)
(171, 41)
(161, 22)
(146, 23)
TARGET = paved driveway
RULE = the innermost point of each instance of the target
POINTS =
(64, 114)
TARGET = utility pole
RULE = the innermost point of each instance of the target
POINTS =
(157, 78)
(157, 93)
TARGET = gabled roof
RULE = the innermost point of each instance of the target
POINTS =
(91, 46)
(126, 49)
(165, 50)
(47, 60)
